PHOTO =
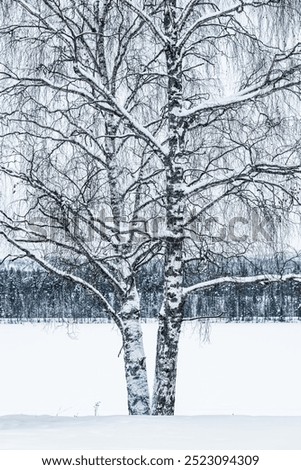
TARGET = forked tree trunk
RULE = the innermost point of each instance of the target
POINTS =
(134, 356)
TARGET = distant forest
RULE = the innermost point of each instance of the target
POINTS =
(27, 293)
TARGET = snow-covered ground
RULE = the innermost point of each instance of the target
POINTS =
(247, 374)
(139, 432)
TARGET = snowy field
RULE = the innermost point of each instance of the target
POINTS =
(241, 390)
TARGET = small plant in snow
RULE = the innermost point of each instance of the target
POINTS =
(96, 406)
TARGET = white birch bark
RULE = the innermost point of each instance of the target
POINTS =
(134, 356)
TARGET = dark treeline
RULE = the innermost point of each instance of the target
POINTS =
(27, 293)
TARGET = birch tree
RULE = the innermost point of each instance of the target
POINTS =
(80, 171)
(119, 113)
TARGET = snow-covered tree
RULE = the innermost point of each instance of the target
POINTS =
(80, 175)
(119, 114)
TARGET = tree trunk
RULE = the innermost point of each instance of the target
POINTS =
(171, 315)
(166, 366)
(170, 321)
(134, 356)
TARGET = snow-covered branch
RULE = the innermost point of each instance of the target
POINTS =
(64, 274)
(203, 20)
(252, 93)
(237, 7)
(248, 174)
(261, 278)
(147, 20)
